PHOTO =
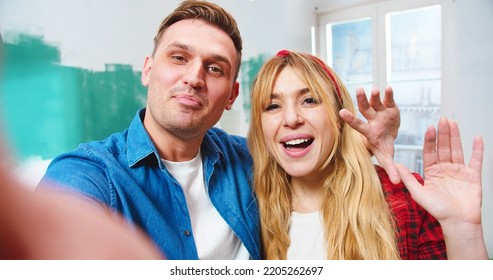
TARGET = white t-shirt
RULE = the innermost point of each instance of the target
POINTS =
(307, 237)
(212, 235)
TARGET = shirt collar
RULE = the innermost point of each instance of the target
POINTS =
(209, 147)
(139, 144)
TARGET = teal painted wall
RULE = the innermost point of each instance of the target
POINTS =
(49, 108)
(249, 71)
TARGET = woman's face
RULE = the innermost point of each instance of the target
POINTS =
(296, 128)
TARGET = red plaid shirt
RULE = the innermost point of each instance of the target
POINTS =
(420, 235)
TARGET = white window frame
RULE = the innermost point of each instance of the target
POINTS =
(377, 13)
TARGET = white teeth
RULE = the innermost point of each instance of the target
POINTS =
(296, 141)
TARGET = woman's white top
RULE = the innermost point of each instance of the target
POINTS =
(213, 237)
(307, 237)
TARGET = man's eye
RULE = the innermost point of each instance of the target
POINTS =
(178, 58)
(215, 70)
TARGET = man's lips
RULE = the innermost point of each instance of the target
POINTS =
(188, 100)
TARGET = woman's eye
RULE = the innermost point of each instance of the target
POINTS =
(271, 107)
(310, 100)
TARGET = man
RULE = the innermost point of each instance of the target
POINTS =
(184, 182)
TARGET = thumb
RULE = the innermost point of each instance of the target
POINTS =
(412, 184)
(394, 174)
(390, 167)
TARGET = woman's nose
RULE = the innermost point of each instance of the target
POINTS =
(292, 117)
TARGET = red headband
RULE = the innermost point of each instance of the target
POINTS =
(331, 76)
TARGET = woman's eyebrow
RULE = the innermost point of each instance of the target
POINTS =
(299, 92)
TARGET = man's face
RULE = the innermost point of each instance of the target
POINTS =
(190, 80)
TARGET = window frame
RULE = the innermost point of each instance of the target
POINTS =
(377, 12)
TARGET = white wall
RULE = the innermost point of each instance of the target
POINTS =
(91, 32)
(473, 96)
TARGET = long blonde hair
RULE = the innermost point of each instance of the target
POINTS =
(357, 221)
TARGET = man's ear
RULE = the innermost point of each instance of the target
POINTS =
(234, 94)
(146, 71)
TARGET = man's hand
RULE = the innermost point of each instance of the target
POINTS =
(381, 129)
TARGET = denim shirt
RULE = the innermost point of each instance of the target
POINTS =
(125, 172)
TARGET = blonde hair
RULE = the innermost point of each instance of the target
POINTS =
(357, 221)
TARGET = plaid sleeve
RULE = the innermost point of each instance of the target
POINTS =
(419, 234)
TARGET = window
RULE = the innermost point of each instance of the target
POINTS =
(350, 52)
(388, 43)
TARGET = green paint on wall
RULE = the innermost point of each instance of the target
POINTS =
(110, 100)
(249, 71)
(49, 108)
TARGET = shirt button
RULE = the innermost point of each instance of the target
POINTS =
(186, 232)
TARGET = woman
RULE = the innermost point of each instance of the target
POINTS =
(319, 194)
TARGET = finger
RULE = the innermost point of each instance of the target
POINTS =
(375, 101)
(363, 106)
(429, 148)
(443, 142)
(408, 179)
(394, 175)
(388, 100)
(354, 122)
(455, 143)
(347, 116)
(392, 171)
(476, 162)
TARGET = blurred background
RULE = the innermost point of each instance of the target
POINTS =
(72, 68)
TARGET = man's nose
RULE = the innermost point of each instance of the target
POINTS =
(193, 74)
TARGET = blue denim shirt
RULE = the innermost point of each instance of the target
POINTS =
(125, 172)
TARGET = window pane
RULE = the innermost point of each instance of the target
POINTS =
(414, 71)
(415, 38)
(350, 53)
